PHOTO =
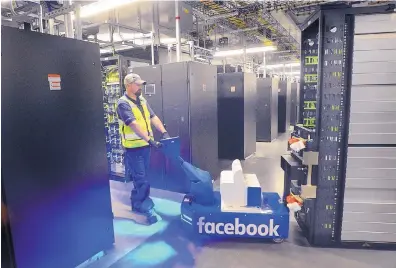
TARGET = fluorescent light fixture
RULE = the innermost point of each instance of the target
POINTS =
(293, 73)
(294, 64)
(274, 66)
(200, 58)
(260, 49)
(228, 53)
(101, 6)
(241, 51)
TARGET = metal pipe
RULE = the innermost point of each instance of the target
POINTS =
(264, 66)
(77, 19)
(68, 22)
(192, 50)
(118, 26)
(177, 18)
(169, 53)
(41, 19)
(51, 26)
(152, 48)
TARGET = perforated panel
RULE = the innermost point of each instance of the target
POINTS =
(331, 125)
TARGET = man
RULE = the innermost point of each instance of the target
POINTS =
(135, 120)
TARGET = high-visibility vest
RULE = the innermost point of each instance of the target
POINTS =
(129, 138)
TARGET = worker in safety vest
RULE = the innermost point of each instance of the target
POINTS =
(135, 120)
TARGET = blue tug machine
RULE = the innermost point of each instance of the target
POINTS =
(239, 209)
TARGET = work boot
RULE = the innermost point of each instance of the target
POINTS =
(142, 207)
(152, 217)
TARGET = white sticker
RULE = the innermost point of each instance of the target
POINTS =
(54, 81)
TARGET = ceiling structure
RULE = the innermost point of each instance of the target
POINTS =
(212, 25)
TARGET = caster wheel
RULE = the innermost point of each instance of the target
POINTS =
(278, 240)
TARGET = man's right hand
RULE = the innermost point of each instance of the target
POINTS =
(155, 144)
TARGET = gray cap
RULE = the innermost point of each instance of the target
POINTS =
(133, 78)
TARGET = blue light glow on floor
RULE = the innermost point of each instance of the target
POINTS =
(167, 207)
(127, 227)
(151, 254)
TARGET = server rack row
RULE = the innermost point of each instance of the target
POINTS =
(284, 106)
(114, 69)
(343, 104)
(267, 109)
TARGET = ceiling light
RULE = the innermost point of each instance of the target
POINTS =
(274, 66)
(228, 53)
(294, 64)
(241, 51)
(260, 49)
(101, 6)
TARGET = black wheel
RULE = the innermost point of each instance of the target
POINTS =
(278, 240)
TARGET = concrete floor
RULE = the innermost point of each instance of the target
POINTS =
(169, 247)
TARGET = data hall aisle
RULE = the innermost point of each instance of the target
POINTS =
(171, 248)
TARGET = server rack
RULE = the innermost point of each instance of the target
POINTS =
(267, 109)
(294, 103)
(237, 115)
(352, 190)
(54, 169)
(227, 68)
(284, 106)
(114, 69)
(187, 101)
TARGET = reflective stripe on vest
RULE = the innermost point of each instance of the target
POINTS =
(129, 138)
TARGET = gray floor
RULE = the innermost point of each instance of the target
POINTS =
(182, 252)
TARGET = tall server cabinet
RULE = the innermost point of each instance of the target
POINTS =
(294, 104)
(371, 158)
(189, 108)
(348, 106)
(54, 166)
(237, 94)
(267, 109)
(284, 106)
(153, 94)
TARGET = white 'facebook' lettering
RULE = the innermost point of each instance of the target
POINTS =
(237, 228)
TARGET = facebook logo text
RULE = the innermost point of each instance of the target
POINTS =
(237, 228)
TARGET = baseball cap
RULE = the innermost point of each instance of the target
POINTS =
(133, 78)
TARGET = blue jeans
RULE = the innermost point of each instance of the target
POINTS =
(137, 162)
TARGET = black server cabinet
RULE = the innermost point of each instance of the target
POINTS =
(237, 115)
(153, 94)
(294, 104)
(185, 99)
(190, 108)
(267, 109)
(283, 106)
(54, 167)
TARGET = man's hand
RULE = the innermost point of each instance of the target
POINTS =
(155, 144)
(165, 135)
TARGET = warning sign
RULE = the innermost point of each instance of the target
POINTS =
(54, 81)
